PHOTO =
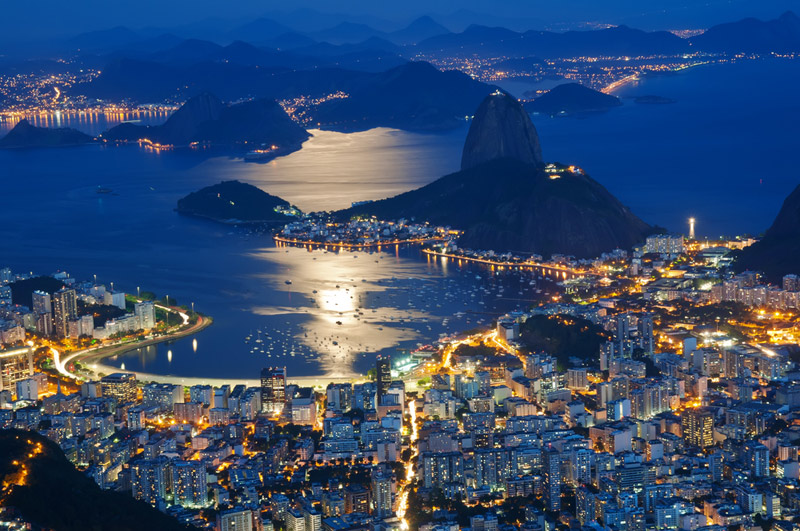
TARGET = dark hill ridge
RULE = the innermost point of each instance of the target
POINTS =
(778, 252)
(571, 98)
(234, 202)
(501, 129)
(54, 495)
(205, 118)
(25, 135)
(410, 96)
(615, 41)
(752, 35)
(414, 96)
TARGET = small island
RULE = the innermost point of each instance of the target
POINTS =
(572, 98)
(235, 203)
(26, 135)
(650, 99)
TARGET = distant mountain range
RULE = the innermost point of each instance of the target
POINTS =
(778, 252)
(413, 96)
(426, 35)
(204, 118)
(25, 135)
(372, 66)
(504, 200)
(616, 41)
(751, 35)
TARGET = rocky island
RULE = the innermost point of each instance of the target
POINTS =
(505, 198)
(234, 202)
(572, 98)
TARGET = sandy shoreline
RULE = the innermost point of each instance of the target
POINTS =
(93, 360)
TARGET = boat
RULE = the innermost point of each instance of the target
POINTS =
(289, 282)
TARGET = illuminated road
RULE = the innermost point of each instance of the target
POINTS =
(402, 506)
(510, 265)
(62, 365)
(341, 245)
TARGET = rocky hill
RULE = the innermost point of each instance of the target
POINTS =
(572, 98)
(501, 129)
(234, 202)
(504, 200)
(778, 252)
(206, 119)
(46, 490)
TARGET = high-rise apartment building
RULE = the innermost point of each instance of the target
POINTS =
(551, 468)
(698, 427)
(65, 310)
(383, 366)
(273, 389)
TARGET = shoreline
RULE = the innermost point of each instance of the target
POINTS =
(93, 356)
(92, 359)
(353, 246)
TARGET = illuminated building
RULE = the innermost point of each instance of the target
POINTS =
(698, 427)
(383, 374)
(189, 483)
(15, 365)
(356, 499)
(664, 244)
(238, 520)
(294, 520)
(312, 518)
(42, 302)
(119, 386)
(145, 312)
(162, 396)
(149, 480)
(757, 459)
(65, 309)
(551, 468)
(340, 397)
(438, 469)
(273, 389)
(304, 406)
(43, 310)
(584, 505)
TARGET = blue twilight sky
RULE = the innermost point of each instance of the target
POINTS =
(51, 19)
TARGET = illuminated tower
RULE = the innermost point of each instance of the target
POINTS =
(691, 228)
